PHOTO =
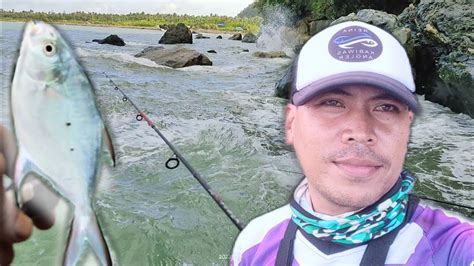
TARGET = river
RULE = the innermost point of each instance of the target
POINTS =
(225, 121)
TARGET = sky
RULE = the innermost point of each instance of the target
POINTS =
(190, 7)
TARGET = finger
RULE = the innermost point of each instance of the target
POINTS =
(9, 150)
(6, 254)
(39, 203)
(16, 225)
(3, 166)
(23, 227)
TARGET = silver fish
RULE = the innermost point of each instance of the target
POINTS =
(59, 131)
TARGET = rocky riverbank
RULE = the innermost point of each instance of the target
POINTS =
(439, 38)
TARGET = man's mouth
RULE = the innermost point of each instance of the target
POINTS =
(358, 167)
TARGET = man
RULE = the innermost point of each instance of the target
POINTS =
(349, 122)
(16, 225)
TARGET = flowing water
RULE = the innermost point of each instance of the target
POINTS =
(225, 121)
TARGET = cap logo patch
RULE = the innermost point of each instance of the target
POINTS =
(355, 44)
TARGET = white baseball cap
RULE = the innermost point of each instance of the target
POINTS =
(352, 53)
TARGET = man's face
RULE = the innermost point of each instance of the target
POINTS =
(351, 144)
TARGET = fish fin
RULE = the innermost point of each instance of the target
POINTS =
(23, 167)
(97, 241)
(82, 228)
(75, 242)
(108, 142)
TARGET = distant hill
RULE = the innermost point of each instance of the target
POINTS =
(249, 12)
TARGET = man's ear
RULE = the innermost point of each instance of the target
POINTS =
(411, 116)
(290, 113)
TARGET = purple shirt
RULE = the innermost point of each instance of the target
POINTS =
(431, 237)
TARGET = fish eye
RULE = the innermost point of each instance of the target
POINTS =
(49, 49)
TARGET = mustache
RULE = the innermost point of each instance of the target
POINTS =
(358, 150)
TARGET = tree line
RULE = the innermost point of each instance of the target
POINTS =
(332, 9)
(142, 19)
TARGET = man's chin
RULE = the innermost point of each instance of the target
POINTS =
(355, 201)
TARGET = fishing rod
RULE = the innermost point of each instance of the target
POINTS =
(174, 161)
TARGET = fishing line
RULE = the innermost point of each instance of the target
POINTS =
(419, 196)
(445, 202)
(175, 160)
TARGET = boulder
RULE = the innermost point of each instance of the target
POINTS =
(200, 36)
(111, 39)
(219, 37)
(272, 54)
(378, 18)
(302, 27)
(236, 37)
(177, 34)
(175, 57)
(285, 84)
(292, 37)
(316, 26)
(149, 50)
(332, 9)
(249, 38)
(443, 34)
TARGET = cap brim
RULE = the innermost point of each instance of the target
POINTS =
(391, 86)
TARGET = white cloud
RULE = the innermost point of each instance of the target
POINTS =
(169, 8)
(191, 7)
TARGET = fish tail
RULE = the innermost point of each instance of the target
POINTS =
(86, 228)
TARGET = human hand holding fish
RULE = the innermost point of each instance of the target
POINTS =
(16, 225)
(53, 101)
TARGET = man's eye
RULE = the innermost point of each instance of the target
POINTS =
(333, 103)
(387, 108)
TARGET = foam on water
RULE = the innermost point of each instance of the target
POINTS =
(272, 35)
(128, 58)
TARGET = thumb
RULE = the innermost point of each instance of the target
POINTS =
(39, 203)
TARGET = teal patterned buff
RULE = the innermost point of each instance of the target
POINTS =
(362, 226)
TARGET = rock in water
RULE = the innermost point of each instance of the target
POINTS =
(236, 37)
(111, 39)
(272, 54)
(175, 57)
(286, 83)
(200, 36)
(249, 38)
(177, 34)
(149, 50)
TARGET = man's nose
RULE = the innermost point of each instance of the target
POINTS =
(359, 128)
